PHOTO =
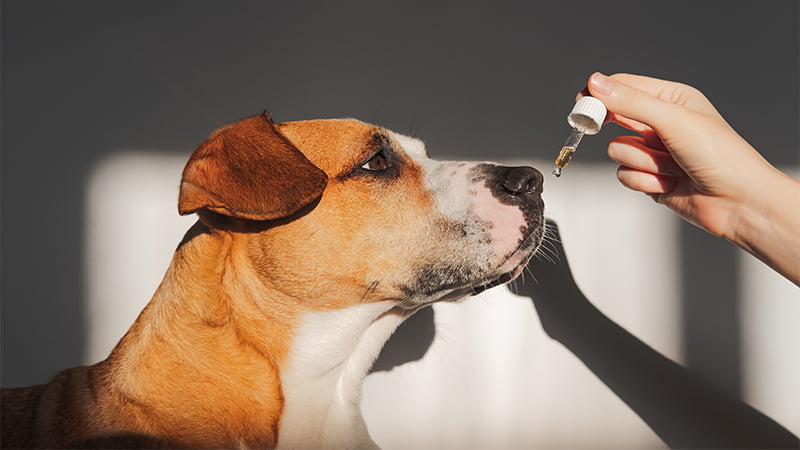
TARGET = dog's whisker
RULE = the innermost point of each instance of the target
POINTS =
(549, 248)
(371, 287)
(530, 271)
(305, 242)
(548, 257)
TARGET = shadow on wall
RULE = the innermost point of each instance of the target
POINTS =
(119, 195)
(680, 407)
(409, 343)
(133, 195)
(710, 302)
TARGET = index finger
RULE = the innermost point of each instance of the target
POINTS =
(622, 121)
(661, 115)
(669, 91)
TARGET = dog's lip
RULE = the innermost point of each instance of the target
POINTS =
(478, 286)
(526, 250)
(511, 266)
(503, 278)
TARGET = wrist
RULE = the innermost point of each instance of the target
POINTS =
(767, 223)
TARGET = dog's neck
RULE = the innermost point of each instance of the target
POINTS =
(332, 353)
(217, 339)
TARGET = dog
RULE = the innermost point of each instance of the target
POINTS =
(315, 240)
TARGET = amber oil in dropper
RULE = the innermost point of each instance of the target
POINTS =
(567, 150)
(586, 117)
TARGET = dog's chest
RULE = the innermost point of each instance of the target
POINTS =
(321, 382)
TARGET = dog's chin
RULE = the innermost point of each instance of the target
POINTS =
(477, 287)
(510, 270)
(442, 285)
(503, 278)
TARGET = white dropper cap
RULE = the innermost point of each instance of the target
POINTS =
(587, 115)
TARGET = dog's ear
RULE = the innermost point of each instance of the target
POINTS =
(249, 170)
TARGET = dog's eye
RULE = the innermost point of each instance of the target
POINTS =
(377, 163)
(384, 165)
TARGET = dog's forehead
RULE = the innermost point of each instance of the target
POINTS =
(412, 146)
(331, 144)
(338, 144)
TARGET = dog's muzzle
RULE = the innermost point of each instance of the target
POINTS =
(493, 239)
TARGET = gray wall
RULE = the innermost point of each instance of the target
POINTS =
(81, 79)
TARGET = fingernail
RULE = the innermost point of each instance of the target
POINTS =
(601, 84)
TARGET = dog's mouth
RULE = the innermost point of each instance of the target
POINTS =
(437, 284)
(478, 287)
(517, 259)
(502, 279)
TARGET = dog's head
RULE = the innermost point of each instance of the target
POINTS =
(339, 212)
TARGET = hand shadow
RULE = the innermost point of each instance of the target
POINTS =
(683, 410)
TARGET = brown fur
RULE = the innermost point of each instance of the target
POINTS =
(249, 171)
(201, 365)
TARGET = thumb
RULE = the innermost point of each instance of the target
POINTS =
(632, 103)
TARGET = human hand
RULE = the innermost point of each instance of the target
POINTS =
(688, 158)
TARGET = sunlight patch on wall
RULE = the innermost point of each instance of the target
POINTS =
(494, 379)
(491, 378)
(132, 230)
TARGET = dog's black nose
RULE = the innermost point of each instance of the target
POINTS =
(521, 180)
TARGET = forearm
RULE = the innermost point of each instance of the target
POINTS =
(769, 225)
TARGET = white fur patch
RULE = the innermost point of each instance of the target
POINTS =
(413, 147)
(462, 200)
(331, 354)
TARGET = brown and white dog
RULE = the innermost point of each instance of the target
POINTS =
(316, 239)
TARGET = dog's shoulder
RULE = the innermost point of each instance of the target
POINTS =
(29, 413)
(18, 406)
